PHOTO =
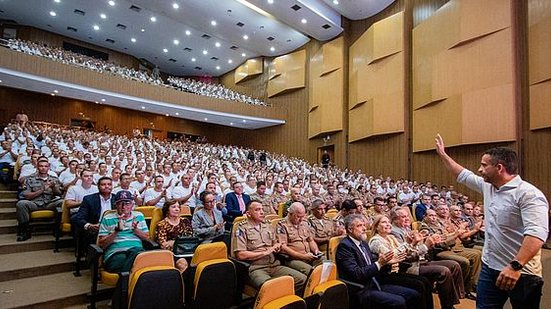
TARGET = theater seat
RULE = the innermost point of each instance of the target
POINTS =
(46, 218)
(332, 247)
(278, 293)
(156, 216)
(331, 213)
(154, 282)
(323, 290)
(147, 211)
(211, 270)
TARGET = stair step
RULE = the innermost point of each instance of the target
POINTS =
(8, 243)
(8, 226)
(8, 202)
(8, 194)
(7, 213)
(49, 291)
(36, 263)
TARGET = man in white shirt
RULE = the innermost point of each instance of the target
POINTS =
(125, 185)
(156, 196)
(76, 193)
(185, 192)
(68, 176)
(139, 184)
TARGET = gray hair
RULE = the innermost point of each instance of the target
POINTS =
(394, 213)
(350, 219)
(295, 207)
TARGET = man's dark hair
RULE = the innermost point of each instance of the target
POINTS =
(260, 183)
(504, 156)
(349, 205)
(378, 199)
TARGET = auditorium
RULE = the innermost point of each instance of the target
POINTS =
(290, 154)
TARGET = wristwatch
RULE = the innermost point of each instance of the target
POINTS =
(515, 265)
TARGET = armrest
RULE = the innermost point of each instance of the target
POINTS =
(313, 300)
(94, 253)
(353, 287)
(149, 244)
(239, 263)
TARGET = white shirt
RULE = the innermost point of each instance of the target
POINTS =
(66, 177)
(150, 194)
(77, 193)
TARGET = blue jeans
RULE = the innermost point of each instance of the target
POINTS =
(526, 294)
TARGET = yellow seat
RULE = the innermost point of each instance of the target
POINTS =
(332, 247)
(147, 211)
(281, 209)
(271, 217)
(156, 217)
(332, 293)
(185, 210)
(415, 225)
(278, 293)
(212, 271)
(42, 214)
(331, 213)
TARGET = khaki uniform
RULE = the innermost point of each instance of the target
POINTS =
(332, 201)
(321, 228)
(45, 201)
(297, 238)
(266, 202)
(261, 238)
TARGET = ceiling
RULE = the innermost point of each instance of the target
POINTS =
(192, 37)
(14, 79)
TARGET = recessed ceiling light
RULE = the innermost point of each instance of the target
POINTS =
(133, 40)
(231, 123)
(165, 50)
(218, 67)
(177, 114)
(213, 22)
(52, 94)
(188, 32)
(52, 13)
(272, 48)
(230, 61)
(245, 37)
(217, 44)
(96, 27)
(57, 1)
(142, 30)
(335, 2)
(175, 6)
(193, 59)
(153, 19)
(96, 102)
(176, 42)
(166, 115)
(0, 80)
(143, 107)
(111, 3)
(271, 1)
(103, 100)
(206, 119)
(243, 55)
(103, 16)
(205, 51)
(303, 20)
(55, 91)
(244, 121)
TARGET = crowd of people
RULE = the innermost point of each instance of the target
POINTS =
(212, 90)
(102, 66)
(402, 237)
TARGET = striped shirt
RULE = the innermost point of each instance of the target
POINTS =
(126, 238)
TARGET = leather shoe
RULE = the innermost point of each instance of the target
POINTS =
(471, 296)
(23, 237)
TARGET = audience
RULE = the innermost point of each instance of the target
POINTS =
(210, 179)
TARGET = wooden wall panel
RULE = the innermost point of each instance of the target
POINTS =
(326, 76)
(378, 79)
(539, 34)
(478, 68)
(287, 73)
(250, 68)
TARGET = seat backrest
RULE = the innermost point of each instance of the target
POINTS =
(331, 213)
(332, 247)
(214, 275)
(156, 216)
(233, 236)
(153, 258)
(280, 209)
(273, 289)
(415, 225)
(206, 252)
(147, 211)
(156, 287)
(271, 217)
(65, 225)
(322, 273)
(185, 210)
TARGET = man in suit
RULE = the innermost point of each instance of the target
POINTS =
(236, 202)
(356, 263)
(92, 206)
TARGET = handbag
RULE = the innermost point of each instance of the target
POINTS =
(185, 246)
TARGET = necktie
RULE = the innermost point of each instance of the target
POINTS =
(241, 203)
(366, 255)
